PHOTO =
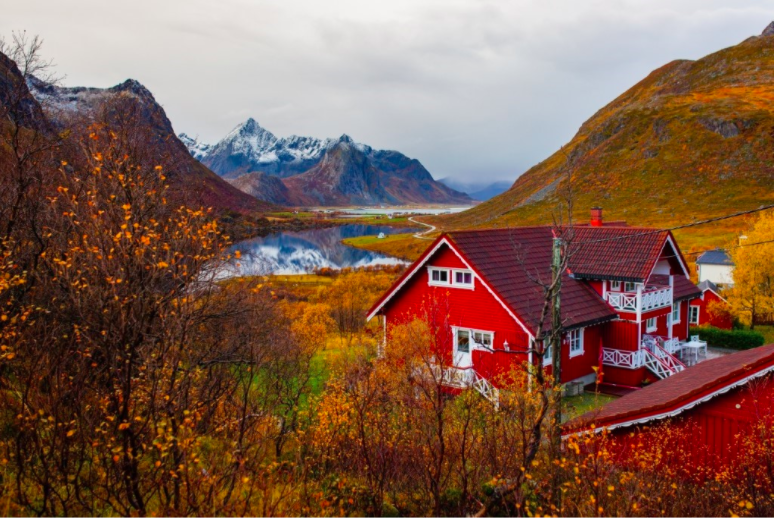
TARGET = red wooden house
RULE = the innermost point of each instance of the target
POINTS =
(699, 313)
(717, 403)
(624, 301)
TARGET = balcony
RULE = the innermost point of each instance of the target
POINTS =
(652, 298)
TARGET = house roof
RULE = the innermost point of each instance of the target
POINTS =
(512, 260)
(618, 253)
(715, 257)
(678, 393)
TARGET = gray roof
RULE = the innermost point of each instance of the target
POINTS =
(715, 257)
(708, 285)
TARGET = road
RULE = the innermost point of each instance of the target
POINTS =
(421, 235)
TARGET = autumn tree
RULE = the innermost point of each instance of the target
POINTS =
(752, 295)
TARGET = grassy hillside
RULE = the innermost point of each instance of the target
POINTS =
(692, 140)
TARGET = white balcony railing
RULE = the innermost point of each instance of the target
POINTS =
(622, 358)
(631, 302)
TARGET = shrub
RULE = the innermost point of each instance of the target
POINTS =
(734, 339)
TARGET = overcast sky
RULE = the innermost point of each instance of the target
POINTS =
(474, 89)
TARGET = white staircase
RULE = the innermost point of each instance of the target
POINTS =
(658, 360)
(487, 389)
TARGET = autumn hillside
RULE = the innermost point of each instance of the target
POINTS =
(692, 140)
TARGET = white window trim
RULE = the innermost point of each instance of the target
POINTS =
(473, 344)
(648, 327)
(634, 286)
(676, 306)
(580, 350)
(432, 283)
(615, 285)
(450, 276)
(698, 314)
(470, 286)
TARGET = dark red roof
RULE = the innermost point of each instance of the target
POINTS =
(616, 253)
(511, 260)
(674, 394)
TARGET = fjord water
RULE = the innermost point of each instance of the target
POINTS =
(304, 251)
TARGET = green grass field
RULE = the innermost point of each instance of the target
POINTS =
(575, 406)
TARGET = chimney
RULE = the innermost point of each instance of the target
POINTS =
(596, 217)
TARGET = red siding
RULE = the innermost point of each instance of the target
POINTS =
(476, 308)
(713, 428)
(620, 335)
(703, 302)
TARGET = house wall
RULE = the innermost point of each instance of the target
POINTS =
(476, 309)
(718, 274)
(707, 319)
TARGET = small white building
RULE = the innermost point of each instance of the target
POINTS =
(716, 266)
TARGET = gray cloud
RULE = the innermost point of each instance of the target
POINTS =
(472, 88)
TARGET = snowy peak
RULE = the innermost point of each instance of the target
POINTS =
(196, 148)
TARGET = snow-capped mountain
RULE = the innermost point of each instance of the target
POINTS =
(198, 149)
(250, 147)
(316, 172)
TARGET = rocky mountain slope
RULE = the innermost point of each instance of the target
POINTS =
(694, 139)
(319, 171)
(190, 181)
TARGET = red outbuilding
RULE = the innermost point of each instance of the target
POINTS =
(624, 302)
(707, 309)
(717, 404)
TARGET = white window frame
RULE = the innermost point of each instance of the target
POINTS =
(615, 285)
(575, 337)
(691, 310)
(648, 327)
(627, 284)
(473, 345)
(454, 282)
(676, 308)
(432, 283)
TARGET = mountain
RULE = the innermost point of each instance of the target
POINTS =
(480, 191)
(319, 171)
(190, 181)
(694, 139)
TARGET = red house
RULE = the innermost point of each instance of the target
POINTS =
(718, 402)
(624, 301)
(699, 313)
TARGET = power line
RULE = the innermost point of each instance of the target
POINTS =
(693, 224)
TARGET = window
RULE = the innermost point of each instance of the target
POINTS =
(547, 357)
(693, 314)
(463, 278)
(615, 285)
(651, 325)
(463, 341)
(483, 338)
(575, 338)
(676, 313)
(439, 276)
(630, 287)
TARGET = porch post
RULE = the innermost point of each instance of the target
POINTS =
(672, 305)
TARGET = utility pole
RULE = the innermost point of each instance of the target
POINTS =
(556, 317)
(556, 358)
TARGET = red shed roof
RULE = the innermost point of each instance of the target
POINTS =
(680, 392)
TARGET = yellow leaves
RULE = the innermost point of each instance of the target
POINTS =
(162, 264)
(71, 432)
(123, 426)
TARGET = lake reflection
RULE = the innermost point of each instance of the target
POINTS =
(304, 251)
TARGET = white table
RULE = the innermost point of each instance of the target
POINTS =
(696, 347)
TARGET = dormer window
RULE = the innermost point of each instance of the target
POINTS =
(615, 285)
(630, 287)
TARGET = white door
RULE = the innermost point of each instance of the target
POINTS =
(462, 343)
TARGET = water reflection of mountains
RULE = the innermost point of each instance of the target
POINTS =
(303, 252)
